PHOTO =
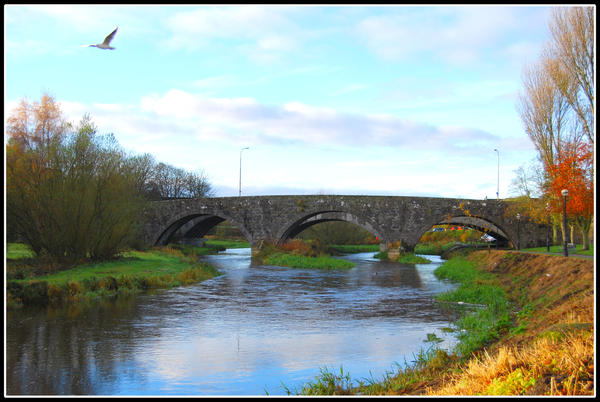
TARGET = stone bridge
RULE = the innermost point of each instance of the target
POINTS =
(399, 220)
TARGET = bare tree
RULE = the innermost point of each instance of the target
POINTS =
(529, 180)
(544, 111)
(572, 55)
(167, 181)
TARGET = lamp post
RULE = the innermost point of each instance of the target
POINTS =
(564, 193)
(518, 231)
(548, 227)
(240, 187)
(498, 186)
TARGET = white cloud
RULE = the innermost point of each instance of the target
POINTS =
(262, 33)
(456, 35)
(244, 120)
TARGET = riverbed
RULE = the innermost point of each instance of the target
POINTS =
(255, 330)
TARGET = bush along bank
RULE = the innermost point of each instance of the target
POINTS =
(527, 330)
(136, 271)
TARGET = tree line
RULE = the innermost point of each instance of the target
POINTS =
(556, 106)
(73, 194)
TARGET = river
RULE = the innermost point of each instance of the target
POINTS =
(254, 330)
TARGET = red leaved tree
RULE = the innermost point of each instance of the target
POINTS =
(573, 171)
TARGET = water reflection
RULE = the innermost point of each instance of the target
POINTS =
(243, 333)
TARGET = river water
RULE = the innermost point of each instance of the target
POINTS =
(254, 330)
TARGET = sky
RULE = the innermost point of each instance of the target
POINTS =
(353, 100)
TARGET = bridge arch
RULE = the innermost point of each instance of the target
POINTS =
(479, 223)
(195, 225)
(314, 218)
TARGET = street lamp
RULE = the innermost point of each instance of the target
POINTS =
(548, 227)
(498, 187)
(518, 231)
(564, 193)
(240, 188)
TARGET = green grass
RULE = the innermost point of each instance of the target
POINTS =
(228, 243)
(482, 326)
(409, 258)
(354, 248)
(559, 249)
(15, 251)
(428, 248)
(406, 258)
(299, 261)
(134, 263)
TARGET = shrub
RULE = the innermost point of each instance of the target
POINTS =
(125, 281)
(35, 292)
(55, 294)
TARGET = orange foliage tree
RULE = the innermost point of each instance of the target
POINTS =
(573, 171)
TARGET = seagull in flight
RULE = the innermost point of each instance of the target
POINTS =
(106, 43)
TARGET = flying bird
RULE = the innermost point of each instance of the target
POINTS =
(106, 43)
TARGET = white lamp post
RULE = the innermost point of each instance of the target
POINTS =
(518, 231)
(498, 186)
(240, 187)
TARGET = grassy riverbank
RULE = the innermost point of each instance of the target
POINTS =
(29, 283)
(527, 330)
(578, 250)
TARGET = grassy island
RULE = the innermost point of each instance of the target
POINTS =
(300, 254)
(301, 261)
(404, 258)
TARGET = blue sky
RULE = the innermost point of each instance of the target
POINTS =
(378, 100)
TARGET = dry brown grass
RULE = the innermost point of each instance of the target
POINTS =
(554, 354)
(546, 367)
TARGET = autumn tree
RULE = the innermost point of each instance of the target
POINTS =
(70, 192)
(573, 172)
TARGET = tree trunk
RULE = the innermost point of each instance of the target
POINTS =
(586, 239)
(565, 235)
(571, 232)
(585, 225)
